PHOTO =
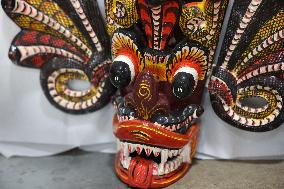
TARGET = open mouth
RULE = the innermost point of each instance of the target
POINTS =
(161, 160)
(151, 156)
(146, 166)
(156, 150)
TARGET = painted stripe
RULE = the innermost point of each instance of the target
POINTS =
(253, 6)
(28, 51)
(78, 8)
(26, 9)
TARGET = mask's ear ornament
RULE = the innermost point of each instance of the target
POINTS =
(67, 40)
(247, 85)
(160, 62)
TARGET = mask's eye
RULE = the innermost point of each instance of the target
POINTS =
(122, 71)
(184, 82)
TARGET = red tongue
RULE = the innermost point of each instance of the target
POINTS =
(140, 172)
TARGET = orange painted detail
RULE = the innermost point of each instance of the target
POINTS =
(132, 56)
(188, 64)
(151, 134)
(156, 181)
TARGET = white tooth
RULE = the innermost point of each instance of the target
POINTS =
(180, 160)
(148, 151)
(176, 164)
(161, 169)
(122, 163)
(156, 151)
(195, 114)
(175, 152)
(139, 148)
(170, 154)
(186, 153)
(171, 166)
(131, 148)
(164, 155)
(178, 126)
(186, 121)
(125, 150)
(152, 149)
(167, 168)
(123, 145)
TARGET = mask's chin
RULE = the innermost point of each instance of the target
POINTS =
(150, 156)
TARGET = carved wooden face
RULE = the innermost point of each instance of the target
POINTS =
(161, 53)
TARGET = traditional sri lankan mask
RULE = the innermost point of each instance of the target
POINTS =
(162, 51)
(251, 67)
(68, 41)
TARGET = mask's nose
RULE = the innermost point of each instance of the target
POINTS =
(145, 97)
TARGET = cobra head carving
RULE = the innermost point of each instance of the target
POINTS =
(67, 41)
(247, 86)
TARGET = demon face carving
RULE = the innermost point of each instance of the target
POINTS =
(162, 51)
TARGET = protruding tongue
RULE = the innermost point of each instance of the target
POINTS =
(140, 172)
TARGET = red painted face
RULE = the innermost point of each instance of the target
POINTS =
(156, 137)
(155, 147)
(150, 156)
(159, 100)
(160, 74)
